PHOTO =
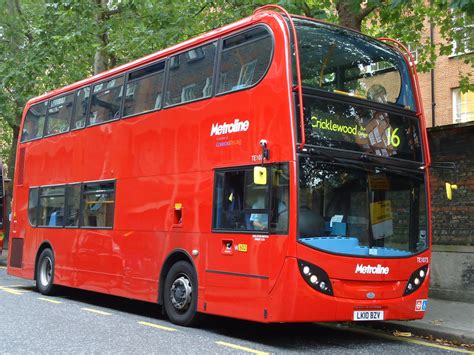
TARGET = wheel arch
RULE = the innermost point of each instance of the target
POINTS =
(171, 259)
(44, 245)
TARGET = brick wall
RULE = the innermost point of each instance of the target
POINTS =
(446, 77)
(453, 221)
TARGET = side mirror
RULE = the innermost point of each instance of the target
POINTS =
(260, 175)
(449, 190)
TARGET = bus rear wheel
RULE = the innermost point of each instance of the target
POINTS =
(45, 272)
(180, 294)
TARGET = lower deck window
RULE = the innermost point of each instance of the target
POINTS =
(88, 205)
(51, 206)
(98, 202)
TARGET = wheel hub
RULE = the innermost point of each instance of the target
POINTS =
(181, 293)
(46, 271)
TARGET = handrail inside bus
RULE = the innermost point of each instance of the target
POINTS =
(419, 104)
(298, 70)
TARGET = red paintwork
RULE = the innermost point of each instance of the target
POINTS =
(167, 157)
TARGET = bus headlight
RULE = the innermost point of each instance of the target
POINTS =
(316, 277)
(416, 280)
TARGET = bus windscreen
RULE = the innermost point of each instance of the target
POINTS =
(361, 212)
(342, 61)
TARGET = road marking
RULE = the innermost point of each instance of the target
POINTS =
(3, 267)
(11, 290)
(392, 337)
(243, 348)
(157, 326)
(97, 311)
(48, 300)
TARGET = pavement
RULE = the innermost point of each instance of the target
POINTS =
(444, 319)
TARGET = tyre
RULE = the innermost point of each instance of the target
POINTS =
(45, 272)
(180, 294)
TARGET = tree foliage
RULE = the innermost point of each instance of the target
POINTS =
(45, 44)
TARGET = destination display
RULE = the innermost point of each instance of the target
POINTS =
(351, 127)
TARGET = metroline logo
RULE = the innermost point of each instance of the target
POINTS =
(369, 269)
(234, 127)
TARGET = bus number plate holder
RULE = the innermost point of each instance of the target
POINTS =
(368, 315)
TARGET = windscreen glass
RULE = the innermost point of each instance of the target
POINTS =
(360, 212)
(345, 62)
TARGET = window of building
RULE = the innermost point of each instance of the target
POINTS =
(80, 110)
(144, 88)
(241, 205)
(59, 114)
(463, 106)
(106, 101)
(73, 200)
(190, 75)
(51, 206)
(34, 122)
(245, 59)
(33, 206)
(463, 24)
(98, 204)
(414, 50)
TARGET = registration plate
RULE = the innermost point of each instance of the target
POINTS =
(368, 315)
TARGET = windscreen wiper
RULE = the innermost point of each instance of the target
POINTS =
(401, 171)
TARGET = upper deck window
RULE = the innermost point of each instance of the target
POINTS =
(80, 110)
(144, 88)
(106, 100)
(34, 122)
(59, 114)
(346, 62)
(245, 59)
(190, 75)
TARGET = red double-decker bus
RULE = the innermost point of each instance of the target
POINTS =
(274, 170)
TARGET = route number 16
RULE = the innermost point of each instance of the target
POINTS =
(393, 138)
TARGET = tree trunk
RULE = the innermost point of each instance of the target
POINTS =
(12, 157)
(100, 57)
(347, 16)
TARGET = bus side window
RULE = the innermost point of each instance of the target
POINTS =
(33, 206)
(239, 204)
(106, 101)
(80, 109)
(73, 200)
(98, 204)
(245, 59)
(59, 114)
(34, 122)
(144, 88)
(190, 75)
(51, 206)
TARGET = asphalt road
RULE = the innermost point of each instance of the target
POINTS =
(77, 321)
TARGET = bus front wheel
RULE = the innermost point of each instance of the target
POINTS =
(45, 272)
(180, 294)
